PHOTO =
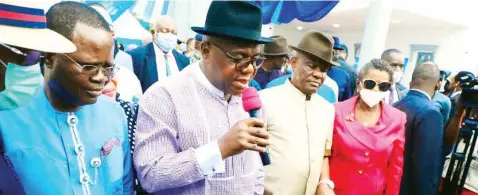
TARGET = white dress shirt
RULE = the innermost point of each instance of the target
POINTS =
(161, 62)
(129, 86)
(124, 59)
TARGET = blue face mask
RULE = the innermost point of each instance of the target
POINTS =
(21, 82)
(166, 41)
(288, 69)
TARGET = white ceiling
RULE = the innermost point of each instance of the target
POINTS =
(354, 20)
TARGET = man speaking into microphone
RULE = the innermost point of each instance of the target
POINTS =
(301, 123)
(193, 136)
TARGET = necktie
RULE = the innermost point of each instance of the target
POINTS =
(168, 71)
(393, 96)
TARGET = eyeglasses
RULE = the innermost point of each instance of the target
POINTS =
(382, 86)
(241, 63)
(92, 70)
(30, 57)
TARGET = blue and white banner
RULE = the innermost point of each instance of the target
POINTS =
(131, 18)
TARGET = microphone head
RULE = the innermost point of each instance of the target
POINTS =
(250, 99)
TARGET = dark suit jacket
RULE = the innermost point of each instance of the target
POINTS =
(423, 154)
(144, 64)
(342, 79)
(351, 71)
(8, 181)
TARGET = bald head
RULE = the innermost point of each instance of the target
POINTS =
(426, 77)
(165, 24)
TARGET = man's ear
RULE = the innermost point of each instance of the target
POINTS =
(205, 52)
(293, 63)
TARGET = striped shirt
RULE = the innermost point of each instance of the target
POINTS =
(179, 120)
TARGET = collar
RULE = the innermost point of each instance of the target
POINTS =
(420, 91)
(160, 52)
(455, 93)
(296, 92)
(205, 82)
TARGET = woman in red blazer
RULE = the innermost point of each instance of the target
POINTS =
(369, 138)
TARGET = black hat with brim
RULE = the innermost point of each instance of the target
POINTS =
(235, 19)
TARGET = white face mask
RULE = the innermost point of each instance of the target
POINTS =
(372, 98)
(397, 76)
(166, 41)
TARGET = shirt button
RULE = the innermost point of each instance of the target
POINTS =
(95, 162)
(72, 120)
(367, 154)
(79, 149)
(84, 178)
(360, 172)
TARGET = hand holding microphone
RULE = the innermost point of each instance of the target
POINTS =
(247, 134)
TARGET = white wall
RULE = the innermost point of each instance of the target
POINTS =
(457, 48)
(188, 13)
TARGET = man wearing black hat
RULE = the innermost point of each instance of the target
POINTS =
(194, 136)
(276, 53)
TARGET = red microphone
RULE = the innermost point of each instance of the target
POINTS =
(252, 104)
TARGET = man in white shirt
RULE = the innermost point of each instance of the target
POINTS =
(300, 123)
(159, 59)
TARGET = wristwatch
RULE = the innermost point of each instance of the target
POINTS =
(328, 182)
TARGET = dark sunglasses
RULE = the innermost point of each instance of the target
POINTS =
(241, 63)
(370, 84)
(30, 57)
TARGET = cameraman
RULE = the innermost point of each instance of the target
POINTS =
(451, 134)
(453, 87)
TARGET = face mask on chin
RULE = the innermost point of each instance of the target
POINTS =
(21, 82)
(166, 41)
(372, 98)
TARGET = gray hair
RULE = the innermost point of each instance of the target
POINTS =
(376, 64)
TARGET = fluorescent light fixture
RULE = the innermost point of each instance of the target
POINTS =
(299, 28)
(336, 25)
(396, 21)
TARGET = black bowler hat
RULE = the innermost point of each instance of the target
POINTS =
(236, 19)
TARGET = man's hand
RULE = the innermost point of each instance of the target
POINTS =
(248, 134)
(324, 189)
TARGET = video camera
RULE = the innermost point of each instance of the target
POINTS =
(469, 94)
(461, 158)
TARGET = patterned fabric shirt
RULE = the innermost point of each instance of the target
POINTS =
(131, 112)
(179, 122)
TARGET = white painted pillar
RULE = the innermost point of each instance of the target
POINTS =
(376, 29)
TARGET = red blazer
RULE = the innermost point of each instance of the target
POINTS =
(367, 160)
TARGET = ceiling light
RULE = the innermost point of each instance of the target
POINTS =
(336, 25)
(299, 28)
(396, 21)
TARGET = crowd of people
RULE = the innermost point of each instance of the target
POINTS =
(79, 115)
